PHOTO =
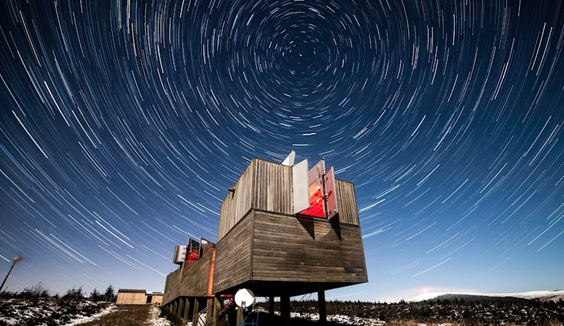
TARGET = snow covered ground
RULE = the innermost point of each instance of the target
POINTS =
(154, 319)
(341, 319)
(82, 320)
(43, 311)
(61, 312)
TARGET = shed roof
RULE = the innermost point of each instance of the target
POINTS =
(131, 291)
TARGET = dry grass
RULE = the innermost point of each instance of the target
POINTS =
(123, 316)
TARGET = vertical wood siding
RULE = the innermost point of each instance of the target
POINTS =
(131, 298)
(237, 203)
(273, 187)
(263, 186)
(346, 201)
(267, 186)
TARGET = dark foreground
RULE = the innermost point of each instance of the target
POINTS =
(123, 316)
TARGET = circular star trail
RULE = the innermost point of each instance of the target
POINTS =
(124, 123)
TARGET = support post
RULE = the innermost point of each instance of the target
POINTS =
(209, 311)
(186, 309)
(271, 306)
(285, 308)
(239, 315)
(216, 308)
(322, 305)
(180, 308)
(232, 316)
(175, 307)
(195, 311)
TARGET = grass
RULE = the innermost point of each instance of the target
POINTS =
(123, 316)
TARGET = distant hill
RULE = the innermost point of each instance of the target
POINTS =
(474, 297)
(555, 295)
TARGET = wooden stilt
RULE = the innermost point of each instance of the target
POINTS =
(216, 308)
(232, 316)
(175, 307)
(186, 309)
(285, 308)
(271, 306)
(180, 309)
(322, 305)
(239, 315)
(209, 310)
(196, 310)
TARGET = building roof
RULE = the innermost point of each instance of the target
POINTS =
(131, 291)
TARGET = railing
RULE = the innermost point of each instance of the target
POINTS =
(252, 319)
(200, 319)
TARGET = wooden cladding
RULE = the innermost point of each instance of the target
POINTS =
(301, 249)
(194, 283)
(267, 247)
(233, 257)
(346, 201)
(237, 203)
(267, 186)
(264, 186)
(273, 187)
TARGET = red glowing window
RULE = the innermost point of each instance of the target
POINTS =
(321, 191)
(316, 200)
(193, 249)
(316, 205)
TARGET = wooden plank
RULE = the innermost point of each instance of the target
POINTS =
(286, 250)
(192, 284)
(171, 286)
(237, 203)
(233, 256)
(346, 199)
(195, 282)
(265, 186)
(273, 187)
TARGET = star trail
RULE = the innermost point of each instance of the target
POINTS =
(124, 123)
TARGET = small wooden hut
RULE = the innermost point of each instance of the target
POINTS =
(138, 297)
(284, 230)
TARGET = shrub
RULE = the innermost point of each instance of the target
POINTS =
(74, 293)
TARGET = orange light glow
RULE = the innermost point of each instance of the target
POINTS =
(315, 202)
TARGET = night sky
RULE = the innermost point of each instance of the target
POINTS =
(124, 123)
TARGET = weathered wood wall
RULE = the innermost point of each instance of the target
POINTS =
(233, 257)
(192, 284)
(346, 202)
(272, 187)
(302, 249)
(267, 186)
(237, 203)
(131, 298)
(157, 299)
(263, 185)
(268, 247)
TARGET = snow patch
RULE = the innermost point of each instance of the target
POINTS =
(82, 320)
(155, 319)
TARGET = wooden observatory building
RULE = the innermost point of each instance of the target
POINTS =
(284, 230)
